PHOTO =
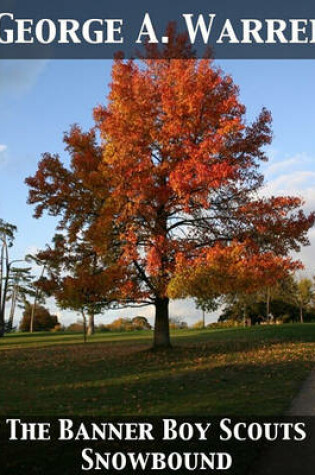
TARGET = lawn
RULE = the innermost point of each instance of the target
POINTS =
(240, 371)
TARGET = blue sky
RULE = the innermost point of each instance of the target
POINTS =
(39, 100)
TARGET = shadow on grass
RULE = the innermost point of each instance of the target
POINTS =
(233, 389)
(238, 372)
(254, 371)
(262, 335)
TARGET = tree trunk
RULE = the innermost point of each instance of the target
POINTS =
(35, 301)
(2, 324)
(91, 326)
(13, 306)
(268, 299)
(4, 280)
(245, 316)
(301, 314)
(161, 328)
(33, 315)
(84, 327)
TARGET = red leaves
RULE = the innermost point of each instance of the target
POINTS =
(279, 222)
(172, 187)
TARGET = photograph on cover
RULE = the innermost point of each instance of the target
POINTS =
(157, 272)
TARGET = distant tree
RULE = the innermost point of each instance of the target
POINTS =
(207, 304)
(294, 292)
(20, 289)
(280, 290)
(76, 326)
(242, 307)
(102, 328)
(303, 295)
(38, 295)
(141, 323)
(285, 306)
(262, 302)
(120, 324)
(199, 325)
(43, 319)
(284, 310)
(7, 233)
(126, 324)
(67, 276)
(177, 323)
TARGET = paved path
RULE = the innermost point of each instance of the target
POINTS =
(304, 403)
(294, 459)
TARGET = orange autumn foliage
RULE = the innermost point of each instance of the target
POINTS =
(184, 168)
(172, 188)
(238, 267)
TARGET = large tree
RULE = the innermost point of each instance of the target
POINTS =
(173, 184)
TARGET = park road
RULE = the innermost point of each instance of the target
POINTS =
(297, 459)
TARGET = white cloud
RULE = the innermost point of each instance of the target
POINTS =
(277, 167)
(3, 149)
(18, 76)
(32, 249)
(298, 183)
(306, 256)
(299, 180)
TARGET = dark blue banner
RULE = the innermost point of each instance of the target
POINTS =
(102, 28)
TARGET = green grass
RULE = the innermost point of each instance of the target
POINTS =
(240, 371)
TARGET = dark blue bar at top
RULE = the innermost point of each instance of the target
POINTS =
(101, 28)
